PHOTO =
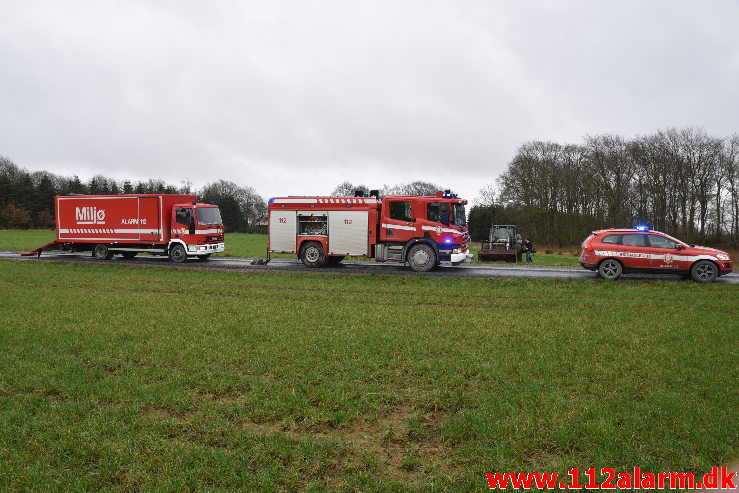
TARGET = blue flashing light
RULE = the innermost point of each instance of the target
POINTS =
(212, 203)
(271, 200)
(194, 202)
(447, 240)
(643, 228)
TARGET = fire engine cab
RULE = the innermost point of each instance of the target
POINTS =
(422, 231)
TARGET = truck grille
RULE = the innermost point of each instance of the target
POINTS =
(214, 239)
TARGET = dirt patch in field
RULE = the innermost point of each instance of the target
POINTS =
(403, 442)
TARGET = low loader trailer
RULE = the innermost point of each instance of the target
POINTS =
(176, 225)
(421, 231)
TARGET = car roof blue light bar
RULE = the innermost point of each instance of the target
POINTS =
(642, 228)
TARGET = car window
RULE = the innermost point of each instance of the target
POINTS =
(438, 213)
(401, 211)
(636, 239)
(613, 239)
(657, 241)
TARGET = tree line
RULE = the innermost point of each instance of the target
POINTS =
(680, 181)
(27, 198)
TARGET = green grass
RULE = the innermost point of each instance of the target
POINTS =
(17, 239)
(244, 245)
(116, 378)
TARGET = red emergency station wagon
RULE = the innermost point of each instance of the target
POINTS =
(614, 251)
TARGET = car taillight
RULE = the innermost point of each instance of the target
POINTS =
(586, 243)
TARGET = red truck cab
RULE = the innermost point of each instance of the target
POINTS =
(439, 221)
(198, 228)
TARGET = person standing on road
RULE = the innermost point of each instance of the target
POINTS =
(528, 247)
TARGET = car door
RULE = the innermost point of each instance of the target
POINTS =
(664, 254)
(634, 253)
(398, 223)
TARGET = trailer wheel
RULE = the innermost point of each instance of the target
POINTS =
(101, 252)
(312, 254)
(177, 254)
(421, 258)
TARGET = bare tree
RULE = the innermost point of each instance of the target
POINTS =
(417, 188)
(347, 189)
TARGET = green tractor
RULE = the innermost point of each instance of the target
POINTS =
(504, 244)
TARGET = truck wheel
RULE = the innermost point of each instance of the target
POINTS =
(421, 258)
(704, 271)
(334, 260)
(610, 269)
(101, 252)
(177, 254)
(312, 254)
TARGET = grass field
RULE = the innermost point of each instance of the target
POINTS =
(254, 245)
(115, 378)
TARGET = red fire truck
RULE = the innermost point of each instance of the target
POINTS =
(421, 231)
(160, 224)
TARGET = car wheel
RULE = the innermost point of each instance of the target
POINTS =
(421, 258)
(610, 269)
(102, 252)
(177, 254)
(312, 254)
(704, 271)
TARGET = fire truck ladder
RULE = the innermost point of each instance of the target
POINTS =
(37, 251)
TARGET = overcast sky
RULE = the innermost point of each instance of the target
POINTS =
(294, 97)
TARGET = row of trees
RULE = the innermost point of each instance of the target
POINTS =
(347, 189)
(681, 181)
(27, 199)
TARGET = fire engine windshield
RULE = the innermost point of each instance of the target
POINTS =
(459, 217)
(208, 216)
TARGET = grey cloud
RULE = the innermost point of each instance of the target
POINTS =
(296, 97)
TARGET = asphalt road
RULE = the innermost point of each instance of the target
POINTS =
(480, 271)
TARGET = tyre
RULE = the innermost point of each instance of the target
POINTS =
(128, 255)
(312, 254)
(334, 260)
(101, 252)
(177, 254)
(610, 269)
(421, 258)
(203, 258)
(704, 271)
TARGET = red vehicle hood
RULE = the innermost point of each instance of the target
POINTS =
(706, 250)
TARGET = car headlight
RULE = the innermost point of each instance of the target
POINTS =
(721, 256)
